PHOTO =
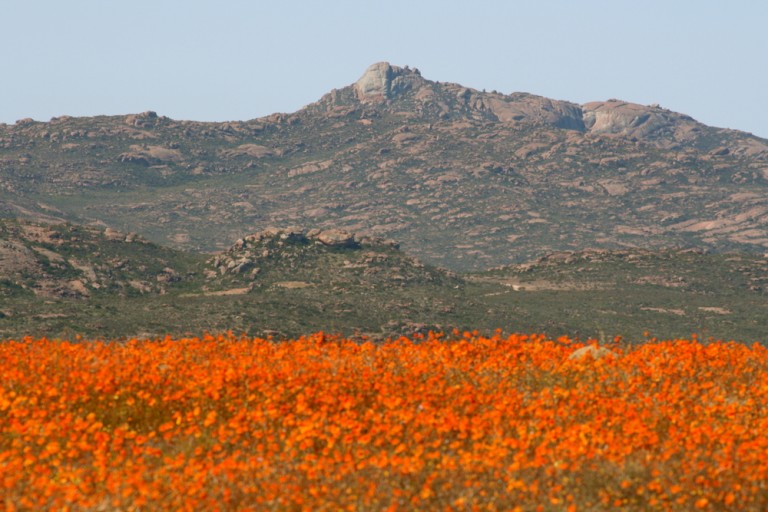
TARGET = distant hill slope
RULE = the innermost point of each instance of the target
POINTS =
(603, 293)
(463, 178)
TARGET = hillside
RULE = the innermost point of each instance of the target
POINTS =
(627, 292)
(61, 280)
(463, 178)
(66, 261)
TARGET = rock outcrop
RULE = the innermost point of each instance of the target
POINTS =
(590, 352)
(529, 107)
(248, 254)
(250, 150)
(68, 261)
(149, 155)
(146, 119)
(337, 238)
(614, 117)
(383, 81)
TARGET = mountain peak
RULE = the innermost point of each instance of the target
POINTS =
(383, 81)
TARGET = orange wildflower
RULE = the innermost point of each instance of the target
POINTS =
(225, 422)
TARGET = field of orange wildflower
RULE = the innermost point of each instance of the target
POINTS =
(457, 422)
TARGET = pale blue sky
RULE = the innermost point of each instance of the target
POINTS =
(236, 59)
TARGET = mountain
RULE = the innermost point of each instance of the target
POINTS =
(464, 179)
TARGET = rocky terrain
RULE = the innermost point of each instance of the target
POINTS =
(513, 211)
(317, 254)
(463, 178)
(630, 291)
(63, 280)
(73, 262)
(680, 269)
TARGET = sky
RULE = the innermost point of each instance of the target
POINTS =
(218, 60)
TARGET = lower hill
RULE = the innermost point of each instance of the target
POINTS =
(51, 262)
(61, 280)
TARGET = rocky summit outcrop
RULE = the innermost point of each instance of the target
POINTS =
(384, 81)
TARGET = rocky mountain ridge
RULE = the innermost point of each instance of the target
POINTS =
(462, 178)
(383, 82)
